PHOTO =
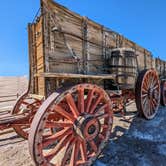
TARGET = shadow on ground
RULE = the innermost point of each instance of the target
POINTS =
(136, 143)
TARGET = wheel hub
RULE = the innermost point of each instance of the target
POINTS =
(87, 127)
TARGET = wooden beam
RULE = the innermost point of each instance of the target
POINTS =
(69, 75)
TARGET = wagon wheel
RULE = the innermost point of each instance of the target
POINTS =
(163, 93)
(71, 128)
(25, 104)
(147, 93)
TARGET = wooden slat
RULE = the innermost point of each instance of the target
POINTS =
(67, 75)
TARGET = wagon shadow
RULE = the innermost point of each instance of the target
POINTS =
(137, 142)
(10, 139)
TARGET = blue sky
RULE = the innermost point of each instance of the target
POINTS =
(142, 21)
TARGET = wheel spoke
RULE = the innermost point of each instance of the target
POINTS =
(144, 90)
(49, 156)
(149, 108)
(93, 146)
(53, 124)
(95, 104)
(155, 87)
(67, 152)
(22, 125)
(145, 85)
(155, 102)
(59, 135)
(25, 103)
(83, 150)
(72, 105)
(89, 100)
(64, 113)
(153, 83)
(81, 100)
(75, 152)
(153, 106)
(101, 109)
(144, 100)
(144, 95)
(33, 103)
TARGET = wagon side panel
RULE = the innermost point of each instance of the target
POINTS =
(94, 49)
(62, 49)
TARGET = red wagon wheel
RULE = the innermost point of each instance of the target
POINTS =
(25, 104)
(147, 93)
(71, 128)
(163, 93)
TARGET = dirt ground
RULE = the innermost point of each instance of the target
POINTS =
(136, 142)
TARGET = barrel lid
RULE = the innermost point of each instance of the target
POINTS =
(123, 52)
(122, 49)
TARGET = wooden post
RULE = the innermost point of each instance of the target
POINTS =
(85, 45)
(145, 65)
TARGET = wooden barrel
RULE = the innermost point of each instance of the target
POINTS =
(123, 63)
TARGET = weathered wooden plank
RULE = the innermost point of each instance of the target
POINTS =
(67, 75)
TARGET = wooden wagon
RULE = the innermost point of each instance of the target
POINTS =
(80, 74)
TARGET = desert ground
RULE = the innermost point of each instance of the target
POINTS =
(134, 142)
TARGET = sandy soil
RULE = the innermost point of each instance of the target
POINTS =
(137, 142)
